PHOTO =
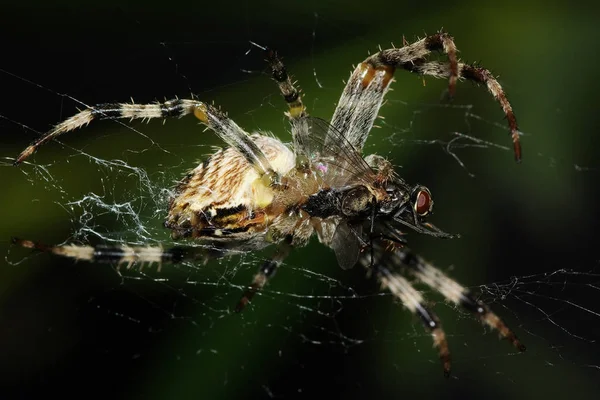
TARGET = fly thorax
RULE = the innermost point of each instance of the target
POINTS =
(356, 201)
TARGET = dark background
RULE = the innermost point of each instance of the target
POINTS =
(529, 231)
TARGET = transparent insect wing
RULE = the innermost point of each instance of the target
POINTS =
(347, 243)
(332, 157)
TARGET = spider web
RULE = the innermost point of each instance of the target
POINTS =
(110, 184)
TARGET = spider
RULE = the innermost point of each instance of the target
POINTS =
(259, 192)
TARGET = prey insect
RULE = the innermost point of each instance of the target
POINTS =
(259, 191)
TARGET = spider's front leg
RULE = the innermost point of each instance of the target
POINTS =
(390, 266)
(363, 95)
(413, 301)
(369, 82)
(479, 75)
(456, 293)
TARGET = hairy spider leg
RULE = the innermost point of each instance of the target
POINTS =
(290, 93)
(210, 116)
(296, 110)
(363, 95)
(414, 302)
(402, 260)
(129, 255)
(478, 75)
(148, 255)
(267, 270)
(456, 293)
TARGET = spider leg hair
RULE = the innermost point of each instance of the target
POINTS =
(210, 116)
(128, 255)
(363, 95)
(290, 93)
(267, 271)
(141, 255)
(369, 82)
(456, 293)
(414, 302)
(479, 75)
(296, 110)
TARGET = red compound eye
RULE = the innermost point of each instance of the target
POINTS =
(423, 202)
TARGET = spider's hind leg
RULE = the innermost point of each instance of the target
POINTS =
(127, 255)
(209, 115)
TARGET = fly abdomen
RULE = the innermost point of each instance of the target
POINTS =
(323, 204)
(346, 203)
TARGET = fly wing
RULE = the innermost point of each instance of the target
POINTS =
(347, 244)
(332, 156)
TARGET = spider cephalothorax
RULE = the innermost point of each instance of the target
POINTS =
(260, 192)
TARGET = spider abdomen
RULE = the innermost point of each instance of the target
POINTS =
(224, 196)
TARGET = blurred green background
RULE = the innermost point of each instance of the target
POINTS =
(317, 330)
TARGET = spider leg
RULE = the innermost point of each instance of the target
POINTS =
(290, 94)
(140, 255)
(360, 102)
(413, 300)
(479, 75)
(363, 95)
(455, 292)
(297, 111)
(128, 255)
(267, 270)
(209, 115)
